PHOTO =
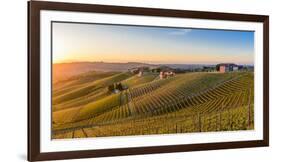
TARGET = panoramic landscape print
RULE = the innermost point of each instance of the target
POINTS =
(120, 80)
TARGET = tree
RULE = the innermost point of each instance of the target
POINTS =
(218, 67)
(111, 87)
(119, 86)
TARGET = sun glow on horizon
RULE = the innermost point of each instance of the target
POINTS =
(116, 43)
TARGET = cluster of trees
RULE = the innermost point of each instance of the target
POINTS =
(115, 86)
(143, 69)
(210, 68)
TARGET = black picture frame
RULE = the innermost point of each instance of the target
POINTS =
(34, 8)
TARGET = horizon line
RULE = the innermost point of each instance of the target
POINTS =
(72, 62)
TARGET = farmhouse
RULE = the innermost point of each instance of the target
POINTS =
(166, 73)
(140, 73)
(227, 67)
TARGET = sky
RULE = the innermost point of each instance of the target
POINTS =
(76, 42)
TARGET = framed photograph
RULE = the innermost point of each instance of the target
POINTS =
(111, 80)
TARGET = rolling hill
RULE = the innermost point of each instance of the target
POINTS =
(189, 102)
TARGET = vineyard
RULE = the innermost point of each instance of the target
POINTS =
(189, 102)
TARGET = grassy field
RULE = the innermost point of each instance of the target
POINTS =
(84, 106)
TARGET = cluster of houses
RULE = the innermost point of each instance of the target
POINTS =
(166, 72)
(228, 67)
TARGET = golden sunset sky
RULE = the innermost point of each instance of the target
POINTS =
(73, 42)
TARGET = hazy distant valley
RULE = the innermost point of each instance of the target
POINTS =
(62, 71)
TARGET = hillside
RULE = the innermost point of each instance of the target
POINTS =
(189, 102)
